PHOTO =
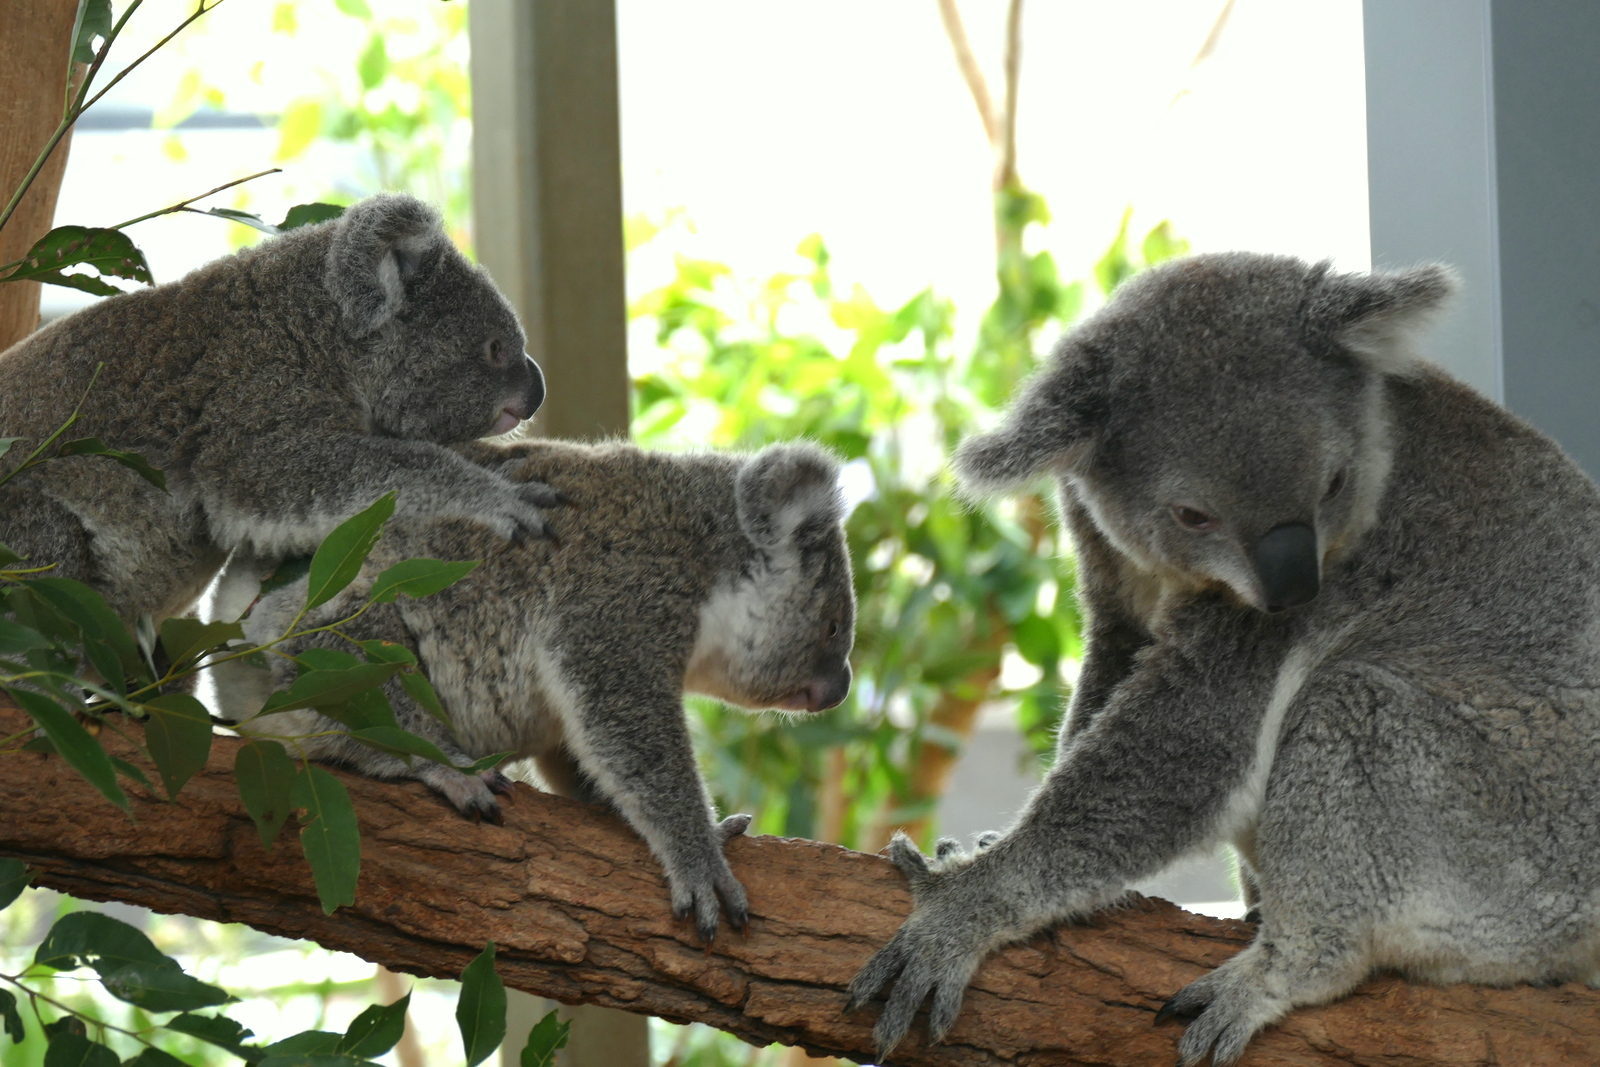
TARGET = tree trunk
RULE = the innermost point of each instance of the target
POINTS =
(35, 56)
(578, 911)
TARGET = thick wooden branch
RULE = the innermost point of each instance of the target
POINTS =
(578, 911)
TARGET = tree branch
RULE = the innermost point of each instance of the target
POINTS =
(971, 72)
(578, 911)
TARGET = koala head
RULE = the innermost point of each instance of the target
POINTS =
(778, 635)
(441, 353)
(1222, 419)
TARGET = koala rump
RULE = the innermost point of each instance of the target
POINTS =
(718, 574)
(281, 389)
(1295, 643)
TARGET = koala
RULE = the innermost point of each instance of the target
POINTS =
(281, 389)
(1342, 613)
(716, 574)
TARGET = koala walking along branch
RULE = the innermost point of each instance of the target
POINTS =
(579, 911)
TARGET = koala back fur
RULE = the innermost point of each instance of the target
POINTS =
(725, 575)
(281, 389)
(1341, 612)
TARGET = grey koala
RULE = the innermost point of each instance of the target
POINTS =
(718, 574)
(1342, 612)
(282, 389)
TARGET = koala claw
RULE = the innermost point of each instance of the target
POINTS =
(541, 495)
(500, 785)
(935, 952)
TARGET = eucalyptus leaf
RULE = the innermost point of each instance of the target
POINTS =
(82, 752)
(400, 742)
(265, 776)
(288, 572)
(376, 1030)
(316, 689)
(418, 578)
(548, 1036)
(154, 1057)
(108, 252)
(178, 735)
(14, 878)
(129, 770)
(93, 446)
(74, 1050)
(94, 20)
(8, 556)
(130, 966)
(329, 836)
(309, 215)
(16, 638)
(338, 559)
(244, 218)
(7, 442)
(188, 639)
(419, 689)
(326, 659)
(481, 1008)
(216, 1030)
(11, 1017)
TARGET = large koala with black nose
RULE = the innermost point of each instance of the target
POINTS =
(1342, 613)
(281, 389)
(718, 574)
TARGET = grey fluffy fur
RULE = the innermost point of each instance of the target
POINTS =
(281, 389)
(1404, 760)
(718, 574)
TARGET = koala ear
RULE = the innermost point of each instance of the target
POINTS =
(785, 487)
(381, 248)
(1050, 425)
(1375, 315)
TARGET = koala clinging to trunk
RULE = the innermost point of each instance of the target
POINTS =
(1341, 612)
(281, 389)
(719, 574)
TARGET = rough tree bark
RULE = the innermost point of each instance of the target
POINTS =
(578, 911)
(35, 49)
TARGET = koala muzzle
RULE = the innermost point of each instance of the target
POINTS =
(1287, 565)
(820, 694)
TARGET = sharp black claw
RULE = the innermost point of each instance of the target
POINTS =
(1171, 1010)
(1253, 916)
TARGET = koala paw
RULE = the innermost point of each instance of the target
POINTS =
(474, 794)
(1228, 1007)
(708, 890)
(934, 952)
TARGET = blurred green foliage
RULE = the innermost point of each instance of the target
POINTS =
(946, 590)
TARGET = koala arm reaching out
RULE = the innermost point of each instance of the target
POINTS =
(1146, 781)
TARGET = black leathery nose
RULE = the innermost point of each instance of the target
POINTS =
(534, 391)
(1286, 563)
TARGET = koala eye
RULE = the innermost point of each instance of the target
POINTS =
(1194, 519)
(1336, 486)
(833, 630)
(496, 353)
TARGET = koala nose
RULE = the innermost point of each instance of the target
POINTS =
(820, 694)
(534, 393)
(1287, 565)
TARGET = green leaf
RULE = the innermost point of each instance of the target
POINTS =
(7, 556)
(82, 752)
(330, 837)
(299, 126)
(93, 617)
(387, 652)
(376, 1030)
(128, 770)
(16, 639)
(478, 766)
(130, 966)
(368, 709)
(7, 442)
(314, 1059)
(154, 1057)
(265, 775)
(399, 742)
(326, 659)
(216, 1030)
(288, 572)
(178, 735)
(93, 446)
(94, 20)
(319, 689)
(418, 578)
(188, 639)
(309, 215)
(419, 689)
(1038, 640)
(374, 63)
(306, 1041)
(481, 1010)
(338, 559)
(109, 252)
(243, 218)
(74, 1050)
(354, 8)
(548, 1037)
(12, 1018)
(14, 878)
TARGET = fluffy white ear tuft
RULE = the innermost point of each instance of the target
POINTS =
(784, 489)
(381, 246)
(1049, 427)
(1376, 316)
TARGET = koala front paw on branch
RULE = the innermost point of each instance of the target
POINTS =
(281, 389)
(1341, 613)
(717, 574)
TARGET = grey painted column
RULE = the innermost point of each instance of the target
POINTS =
(547, 197)
(547, 207)
(1483, 135)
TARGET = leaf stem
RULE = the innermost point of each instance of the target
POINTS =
(183, 205)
